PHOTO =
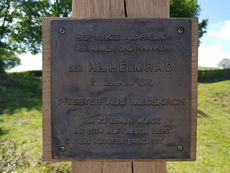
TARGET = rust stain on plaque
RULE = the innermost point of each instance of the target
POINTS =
(121, 88)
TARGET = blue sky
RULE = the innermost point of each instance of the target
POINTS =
(214, 10)
(215, 44)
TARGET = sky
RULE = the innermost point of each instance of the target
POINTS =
(215, 44)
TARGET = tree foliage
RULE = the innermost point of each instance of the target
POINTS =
(20, 24)
(224, 63)
(20, 29)
(62, 8)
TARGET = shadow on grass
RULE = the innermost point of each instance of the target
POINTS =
(201, 113)
(3, 132)
(216, 75)
(20, 90)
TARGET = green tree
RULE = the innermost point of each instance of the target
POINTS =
(189, 9)
(224, 63)
(62, 8)
(20, 29)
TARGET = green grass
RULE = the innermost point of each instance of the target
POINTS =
(21, 125)
(21, 128)
(213, 133)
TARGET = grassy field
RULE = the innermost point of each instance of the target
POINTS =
(213, 133)
(21, 128)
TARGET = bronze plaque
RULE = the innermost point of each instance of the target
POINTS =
(121, 88)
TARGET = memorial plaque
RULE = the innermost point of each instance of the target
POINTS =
(121, 88)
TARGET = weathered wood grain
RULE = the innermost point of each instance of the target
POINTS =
(149, 167)
(46, 90)
(194, 79)
(98, 8)
(147, 8)
(86, 167)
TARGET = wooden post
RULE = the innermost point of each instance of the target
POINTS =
(119, 9)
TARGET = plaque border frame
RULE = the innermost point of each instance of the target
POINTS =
(46, 92)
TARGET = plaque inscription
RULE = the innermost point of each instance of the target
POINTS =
(121, 88)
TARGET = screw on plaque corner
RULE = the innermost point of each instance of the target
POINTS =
(62, 149)
(180, 148)
(62, 30)
(180, 30)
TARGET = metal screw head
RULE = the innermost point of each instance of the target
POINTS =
(180, 30)
(62, 149)
(180, 148)
(62, 30)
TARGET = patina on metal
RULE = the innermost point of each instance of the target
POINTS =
(121, 88)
